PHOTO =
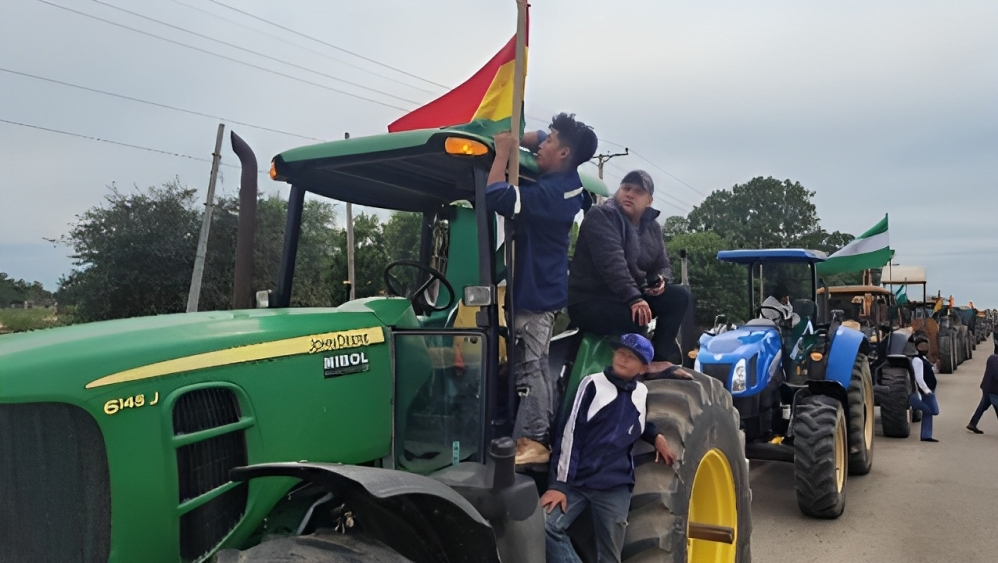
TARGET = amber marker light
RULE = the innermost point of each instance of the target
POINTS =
(816, 356)
(273, 170)
(464, 147)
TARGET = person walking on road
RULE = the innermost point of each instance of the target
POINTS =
(924, 397)
(989, 394)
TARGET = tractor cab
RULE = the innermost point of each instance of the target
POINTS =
(782, 335)
(450, 345)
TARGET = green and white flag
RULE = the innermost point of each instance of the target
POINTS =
(869, 250)
(901, 294)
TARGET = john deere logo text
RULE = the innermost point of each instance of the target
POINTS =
(341, 340)
(344, 364)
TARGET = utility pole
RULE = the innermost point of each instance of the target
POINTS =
(209, 207)
(602, 159)
(351, 276)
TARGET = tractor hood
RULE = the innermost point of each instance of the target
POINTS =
(93, 355)
(754, 349)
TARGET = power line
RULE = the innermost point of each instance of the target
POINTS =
(670, 174)
(119, 143)
(251, 65)
(252, 52)
(157, 104)
(283, 40)
(359, 56)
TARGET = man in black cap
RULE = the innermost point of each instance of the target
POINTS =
(619, 279)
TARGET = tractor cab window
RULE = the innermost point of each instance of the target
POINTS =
(439, 407)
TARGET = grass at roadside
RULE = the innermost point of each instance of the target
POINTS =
(20, 320)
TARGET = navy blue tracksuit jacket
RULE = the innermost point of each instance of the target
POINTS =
(594, 448)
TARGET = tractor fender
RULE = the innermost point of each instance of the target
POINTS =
(412, 514)
(845, 344)
(828, 388)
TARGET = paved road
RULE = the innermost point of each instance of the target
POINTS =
(921, 502)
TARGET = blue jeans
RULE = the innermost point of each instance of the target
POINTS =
(929, 407)
(609, 509)
(987, 400)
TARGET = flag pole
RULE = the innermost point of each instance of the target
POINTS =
(513, 172)
(513, 177)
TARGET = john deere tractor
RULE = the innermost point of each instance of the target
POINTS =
(374, 431)
(801, 382)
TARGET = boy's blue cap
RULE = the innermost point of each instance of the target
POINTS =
(638, 344)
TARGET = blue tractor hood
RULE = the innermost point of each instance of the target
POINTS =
(745, 359)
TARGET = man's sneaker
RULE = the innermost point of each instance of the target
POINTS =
(974, 429)
(530, 452)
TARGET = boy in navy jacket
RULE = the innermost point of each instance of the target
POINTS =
(591, 464)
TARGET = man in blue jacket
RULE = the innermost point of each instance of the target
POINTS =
(592, 463)
(543, 212)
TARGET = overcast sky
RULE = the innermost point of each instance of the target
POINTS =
(879, 107)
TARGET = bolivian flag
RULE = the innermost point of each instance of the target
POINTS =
(484, 101)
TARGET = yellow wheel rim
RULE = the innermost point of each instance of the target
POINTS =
(841, 452)
(713, 501)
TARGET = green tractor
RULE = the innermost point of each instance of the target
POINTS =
(375, 431)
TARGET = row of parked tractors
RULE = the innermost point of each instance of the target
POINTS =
(953, 331)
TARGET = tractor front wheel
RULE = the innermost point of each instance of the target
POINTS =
(698, 509)
(821, 456)
(895, 414)
(861, 417)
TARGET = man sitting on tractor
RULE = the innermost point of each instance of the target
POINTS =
(619, 279)
(544, 212)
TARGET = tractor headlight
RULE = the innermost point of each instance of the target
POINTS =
(697, 366)
(738, 378)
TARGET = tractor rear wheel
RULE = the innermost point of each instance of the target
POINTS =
(820, 456)
(895, 414)
(707, 486)
(861, 417)
(946, 354)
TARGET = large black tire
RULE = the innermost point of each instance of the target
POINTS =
(946, 363)
(820, 456)
(861, 417)
(895, 414)
(697, 418)
(324, 546)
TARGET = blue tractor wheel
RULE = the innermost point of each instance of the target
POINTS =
(821, 455)
(861, 417)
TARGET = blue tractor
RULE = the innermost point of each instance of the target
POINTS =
(801, 383)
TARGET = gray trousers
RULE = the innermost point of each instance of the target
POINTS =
(533, 382)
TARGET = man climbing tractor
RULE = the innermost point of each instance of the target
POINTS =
(543, 212)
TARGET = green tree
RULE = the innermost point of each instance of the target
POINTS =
(134, 254)
(675, 225)
(762, 213)
(370, 259)
(717, 287)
